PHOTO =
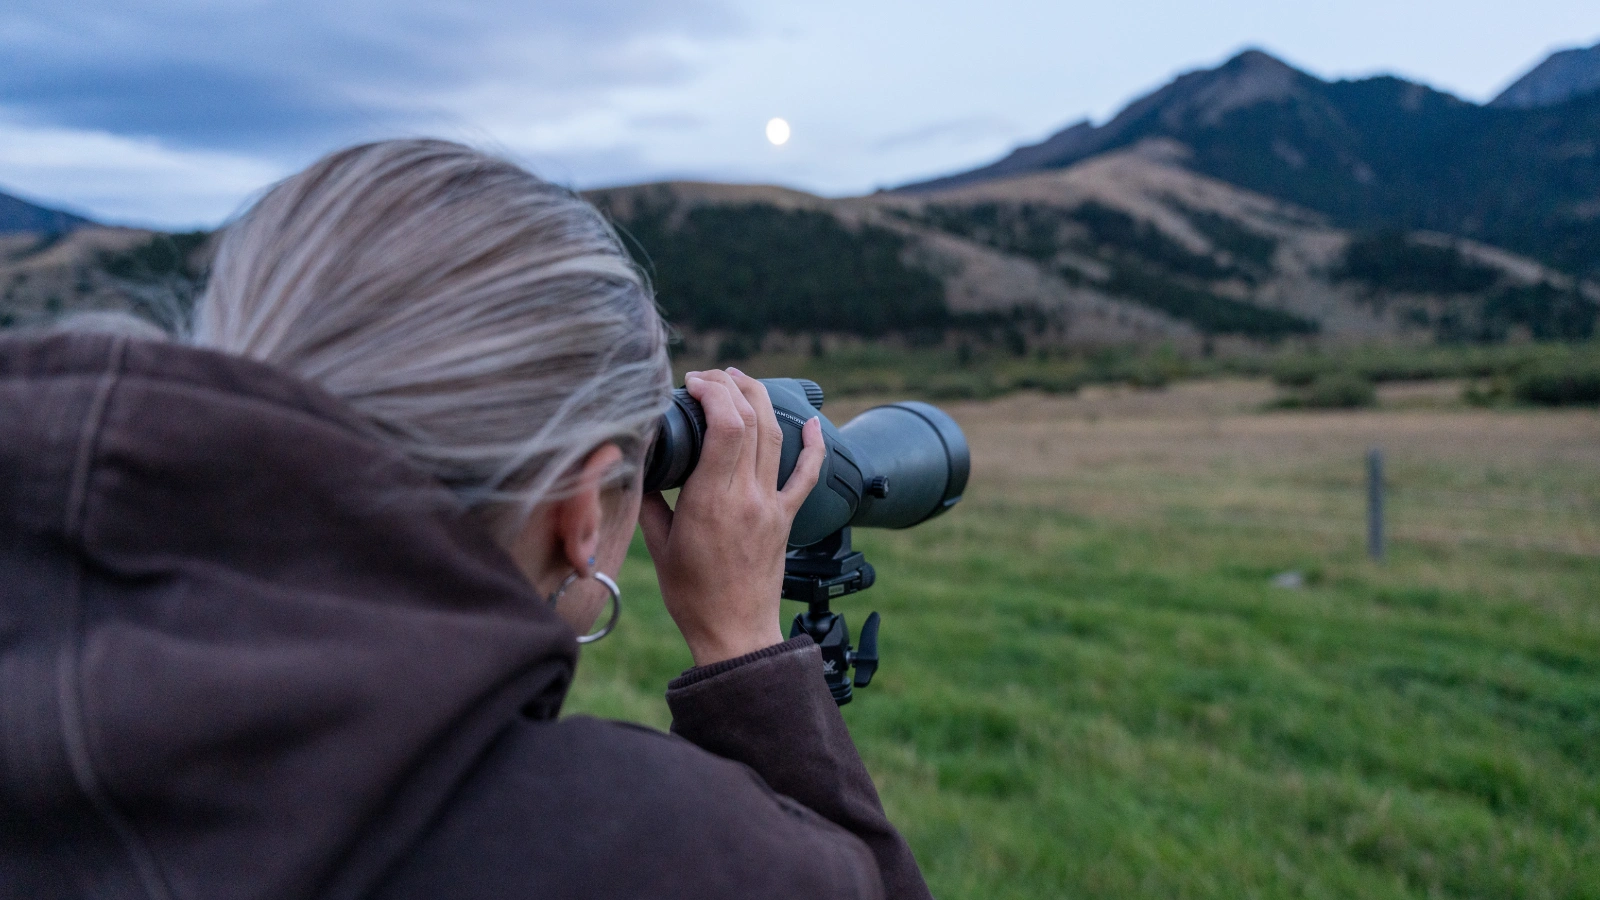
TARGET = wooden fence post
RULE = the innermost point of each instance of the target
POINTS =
(1375, 504)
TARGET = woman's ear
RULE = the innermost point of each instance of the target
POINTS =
(578, 516)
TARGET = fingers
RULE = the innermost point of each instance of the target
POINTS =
(725, 426)
(769, 437)
(655, 520)
(747, 413)
(806, 469)
(743, 437)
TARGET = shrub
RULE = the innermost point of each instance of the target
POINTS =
(732, 349)
(1333, 390)
(1048, 382)
(960, 386)
(1340, 390)
(1300, 371)
(1573, 382)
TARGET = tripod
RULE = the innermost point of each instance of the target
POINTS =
(816, 575)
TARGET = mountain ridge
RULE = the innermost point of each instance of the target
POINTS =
(1558, 78)
(1251, 201)
(1127, 246)
(1376, 152)
(20, 216)
(1252, 72)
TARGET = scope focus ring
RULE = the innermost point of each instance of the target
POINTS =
(813, 391)
(696, 413)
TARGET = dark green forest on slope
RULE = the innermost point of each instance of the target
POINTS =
(751, 268)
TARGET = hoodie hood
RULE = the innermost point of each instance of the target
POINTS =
(245, 649)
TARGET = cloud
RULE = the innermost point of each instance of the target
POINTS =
(667, 122)
(278, 78)
(953, 131)
(129, 180)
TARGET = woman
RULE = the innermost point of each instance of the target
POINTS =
(291, 611)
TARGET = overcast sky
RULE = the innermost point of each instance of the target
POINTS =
(175, 112)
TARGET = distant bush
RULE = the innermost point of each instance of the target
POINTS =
(1332, 390)
(1401, 362)
(1575, 382)
(1048, 382)
(1301, 369)
(736, 348)
(960, 386)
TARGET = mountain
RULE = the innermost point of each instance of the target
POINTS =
(1562, 76)
(1204, 96)
(1129, 246)
(17, 215)
(1372, 153)
(1250, 202)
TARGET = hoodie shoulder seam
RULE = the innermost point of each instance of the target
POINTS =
(74, 733)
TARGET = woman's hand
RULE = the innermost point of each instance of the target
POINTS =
(719, 555)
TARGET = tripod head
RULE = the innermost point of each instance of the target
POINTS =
(815, 575)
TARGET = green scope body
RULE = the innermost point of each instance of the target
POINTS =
(892, 466)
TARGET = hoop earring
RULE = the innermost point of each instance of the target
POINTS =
(616, 603)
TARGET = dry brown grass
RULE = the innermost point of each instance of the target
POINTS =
(1458, 477)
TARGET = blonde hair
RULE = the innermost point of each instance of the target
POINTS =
(485, 322)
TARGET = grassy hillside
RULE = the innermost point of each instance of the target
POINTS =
(1127, 247)
(1092, 687)
(1145, 265)
(1135, 226)
(1471, 300)
(1124, 249)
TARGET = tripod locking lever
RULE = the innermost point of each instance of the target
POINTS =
(865, 658)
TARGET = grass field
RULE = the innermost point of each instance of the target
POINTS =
(1092, 688)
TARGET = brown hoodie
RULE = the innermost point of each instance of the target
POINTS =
(248, 651)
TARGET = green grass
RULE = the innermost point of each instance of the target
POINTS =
(1124, 706)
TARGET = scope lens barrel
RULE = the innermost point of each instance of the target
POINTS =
(920, 453)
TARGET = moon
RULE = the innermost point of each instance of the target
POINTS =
(777, 132)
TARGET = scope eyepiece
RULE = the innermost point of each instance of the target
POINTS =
(890, 467)
(677, 445)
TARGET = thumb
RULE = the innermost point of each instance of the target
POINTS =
(813, 452)
(655, 520)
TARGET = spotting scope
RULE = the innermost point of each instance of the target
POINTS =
(892, 466)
